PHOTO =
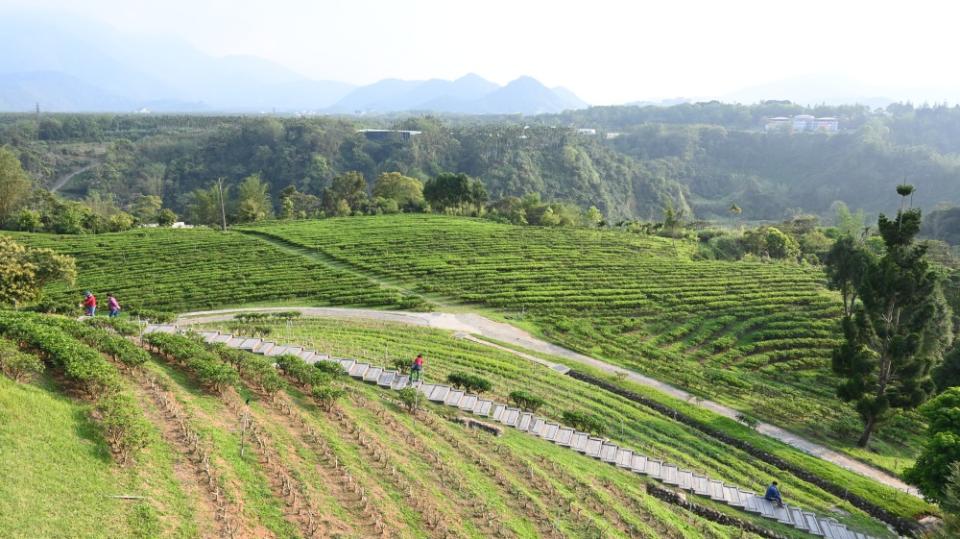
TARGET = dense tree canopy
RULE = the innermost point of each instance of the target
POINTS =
(25, 271)
(890, 321)
(14, 183)
(942, 448)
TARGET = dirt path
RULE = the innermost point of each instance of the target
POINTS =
(62, 180)
(472, 324)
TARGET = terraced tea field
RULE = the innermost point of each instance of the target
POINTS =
(631, 424)
(176, 270)
(246, 462)
(755, 336)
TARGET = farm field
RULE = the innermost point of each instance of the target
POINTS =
(625, 422)
(283, 467)
(754, 336)
(178, 270)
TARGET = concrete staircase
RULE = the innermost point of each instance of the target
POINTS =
(581, 442)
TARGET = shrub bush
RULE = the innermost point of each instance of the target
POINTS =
(258, 371)
(583, 421)
(469, 382)
(122, 425)
(17, 365)
(401, 365)
(209, 370)
(332, 368)
(301, 371)
(526, 401)
(410, 398)
(327, 396)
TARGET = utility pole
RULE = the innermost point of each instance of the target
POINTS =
(223, 208)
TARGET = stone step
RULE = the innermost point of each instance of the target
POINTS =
(358, 370)
(799, 520)
(510, 417)
(248, 344)
(715, 489)
(454, 397)
(277, 350)
(386, 379)
(401, 381)
(525, 422)
(578, 442)
(731, 495)
(564, 436)
(592, 447)
(668, 474)
(372, 374)
(701, 485)
(468, 402)
(550, 432)
(608, 453)
(538, 427)
(482, 407)
(654, 468)
(685, 479)
(439, 393)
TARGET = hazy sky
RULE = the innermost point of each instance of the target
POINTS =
(606, 51)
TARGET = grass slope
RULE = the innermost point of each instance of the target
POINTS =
(59, 477)
(745, 334)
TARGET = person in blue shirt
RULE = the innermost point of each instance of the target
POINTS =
(773, 494)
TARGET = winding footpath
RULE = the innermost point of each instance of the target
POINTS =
(471, 325)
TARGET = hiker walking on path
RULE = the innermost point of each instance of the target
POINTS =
(773, 494)
(113, 305)
(416, 370)
(89, 304)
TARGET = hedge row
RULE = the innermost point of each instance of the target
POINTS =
(254, 369)
(115, 346)
(209, 370)
(118, 416)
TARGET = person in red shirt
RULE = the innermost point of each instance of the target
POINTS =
(90, 304)
(416, 370)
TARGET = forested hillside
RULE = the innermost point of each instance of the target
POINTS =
(630, 162)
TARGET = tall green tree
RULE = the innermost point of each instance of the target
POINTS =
(14, 184)
(884, 359)
(253, 200)
(146, 207)
(846, 263)
(407, 191)
(346, 193)
(25, 271)
(942, 447)
(203, 207)
(449, 191)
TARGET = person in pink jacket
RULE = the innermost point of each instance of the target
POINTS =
(113, 305)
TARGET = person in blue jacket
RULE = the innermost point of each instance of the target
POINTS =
(773, 494)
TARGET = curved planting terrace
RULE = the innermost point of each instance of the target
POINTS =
(636, 425)
(745, 334)
(175, 270)
(658, 439)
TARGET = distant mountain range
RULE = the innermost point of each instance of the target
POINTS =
(92, 68)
